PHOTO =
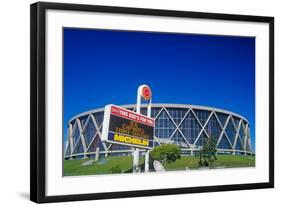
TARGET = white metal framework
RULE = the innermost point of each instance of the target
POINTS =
(185, 125)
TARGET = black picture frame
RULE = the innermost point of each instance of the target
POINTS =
(38, 100)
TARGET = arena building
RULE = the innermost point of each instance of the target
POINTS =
(188, 126)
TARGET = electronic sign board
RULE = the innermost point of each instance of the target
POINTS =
(125, 127)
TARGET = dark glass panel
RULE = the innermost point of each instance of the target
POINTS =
(213, 128)
(177, 114)
(190, 128)
(179, 140)
(79, 147)
(89, 132)
(222, 117)
(224, 143)
(202, 115)
(154, 112)
(76, 134)
(230, 131)
(242, 132)
(143, 111)
(96, 143)
(236, 121)
(202, 139)
(99, 117)
(164, 126)
(83, 120)
(239, 145)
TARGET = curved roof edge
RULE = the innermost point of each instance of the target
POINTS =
(167, 105)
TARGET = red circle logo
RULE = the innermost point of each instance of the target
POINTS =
(146, 93)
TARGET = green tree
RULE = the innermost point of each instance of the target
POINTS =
(207, 153)
(166, 153)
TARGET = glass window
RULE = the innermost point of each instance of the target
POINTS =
(190, 128)
(242, 131)
(96, 143)
(236, 121)
(202, 139)
(143, 111)
(179, 140)
(78, 148)
(83, 120)
(224, 143)
(164, 126)
(89, 132)
(213, 128)
(230, 131)
(154, 112)
(177, 114)
(202, 115)
(76, 134)
(239, 145)
(99, 117)
(222, 117)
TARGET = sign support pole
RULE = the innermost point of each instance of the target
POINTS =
(146, 163)
(136, 160)
(136, 150)
(143, 92)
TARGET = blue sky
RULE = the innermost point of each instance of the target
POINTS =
(105, 66)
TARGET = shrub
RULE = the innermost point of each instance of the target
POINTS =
(165, 153)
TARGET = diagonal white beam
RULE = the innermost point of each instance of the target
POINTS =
(246, 136)
(86, 124)
(67, 144)
(156, 117)
(98, 131)
(73, 133)
(156, 139)
(203, 127)
(82, 136)
(237, 132)
(70, 138)
(249, 138)
(178, 128)
(170, 116)
(223, 132)
(227, 123)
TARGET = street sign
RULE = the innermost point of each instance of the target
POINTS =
(125, 127)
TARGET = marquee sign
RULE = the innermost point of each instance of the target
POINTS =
(125, 127)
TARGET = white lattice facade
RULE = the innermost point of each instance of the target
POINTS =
(188, 126)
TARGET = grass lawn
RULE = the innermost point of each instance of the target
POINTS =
(223, 161)
(116, 164)
(123, 164)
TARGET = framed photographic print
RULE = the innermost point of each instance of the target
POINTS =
(129, 102)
